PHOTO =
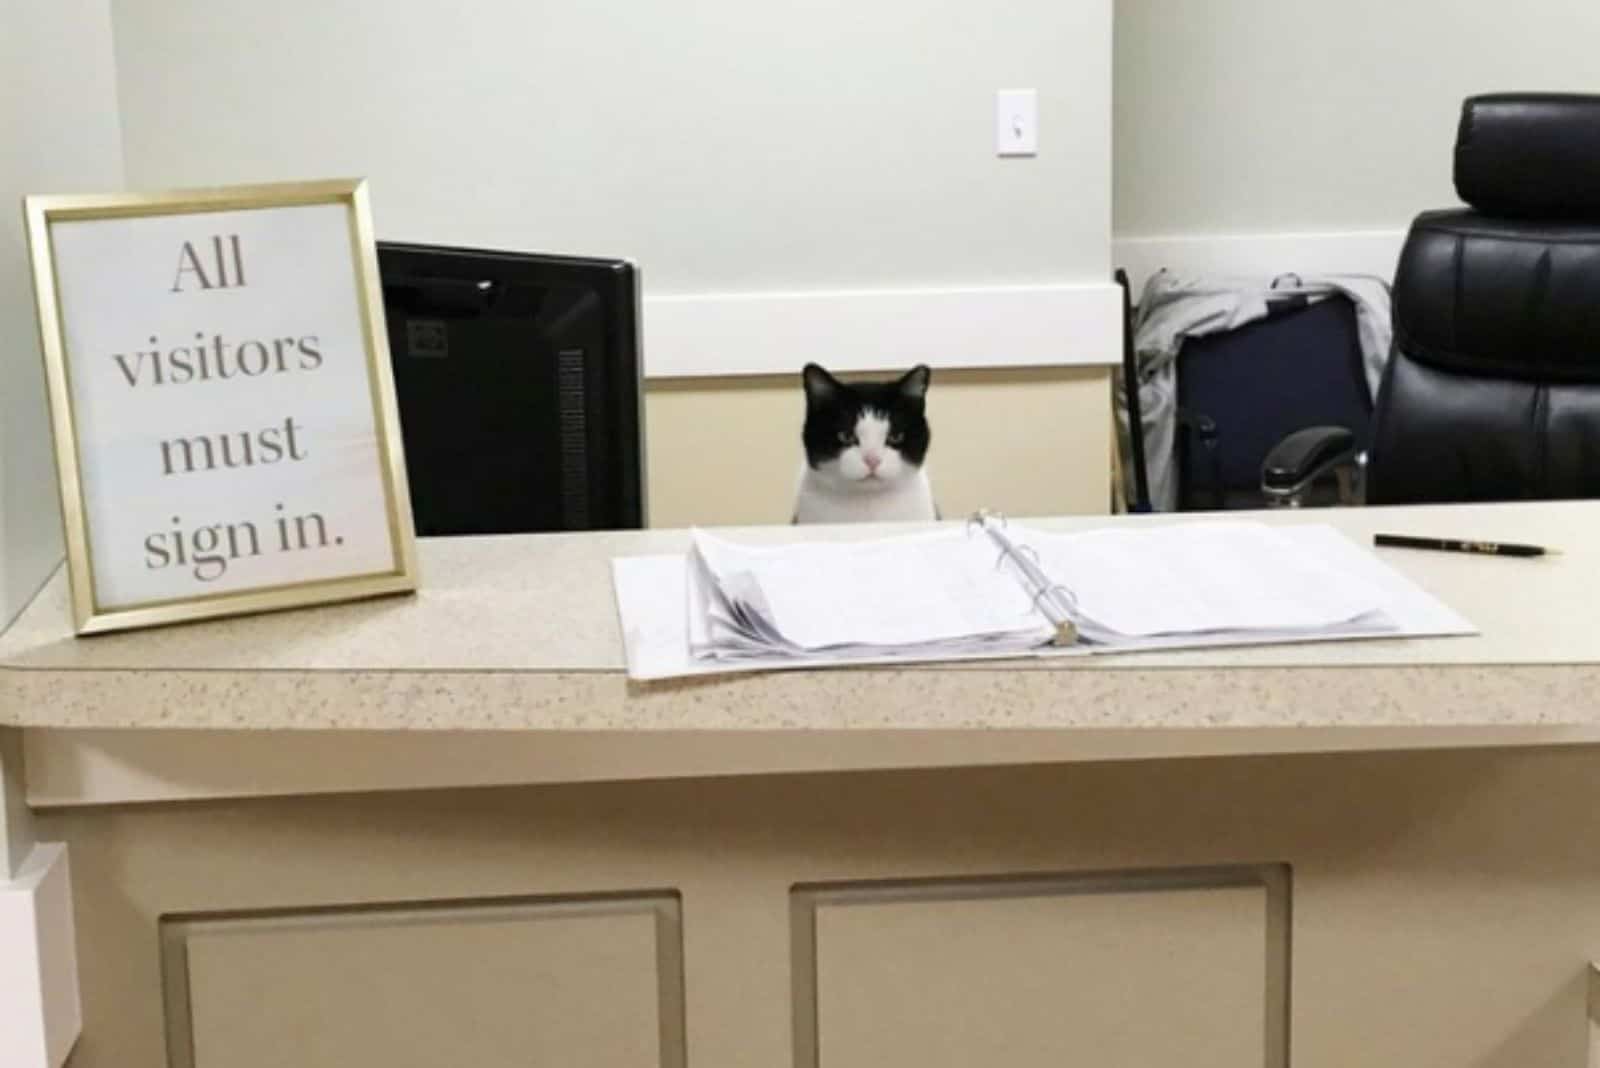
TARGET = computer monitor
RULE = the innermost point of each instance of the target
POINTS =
(518, 385)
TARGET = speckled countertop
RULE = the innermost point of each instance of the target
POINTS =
(521, 633)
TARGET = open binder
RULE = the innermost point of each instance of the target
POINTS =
(994, 589)
(1051, 599)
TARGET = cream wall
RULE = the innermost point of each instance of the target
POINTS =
(729, 146)
(1246, 116)
(723, 144)
(1026, 442)
(59, 129)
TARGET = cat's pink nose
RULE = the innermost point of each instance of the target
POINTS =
(872, 460)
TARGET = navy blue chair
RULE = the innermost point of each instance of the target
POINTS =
(1242, 393)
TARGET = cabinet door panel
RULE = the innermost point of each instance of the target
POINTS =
(493, 986)
(1048, 975)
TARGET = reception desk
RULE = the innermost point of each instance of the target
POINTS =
(446, 830)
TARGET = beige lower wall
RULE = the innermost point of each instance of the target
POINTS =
(1023, 441)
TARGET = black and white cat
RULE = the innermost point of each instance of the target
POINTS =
(865, 446)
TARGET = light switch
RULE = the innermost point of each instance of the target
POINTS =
(1016, 122)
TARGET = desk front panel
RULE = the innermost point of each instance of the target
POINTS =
(1421, 909)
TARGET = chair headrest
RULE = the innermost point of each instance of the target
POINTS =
(1530, 155)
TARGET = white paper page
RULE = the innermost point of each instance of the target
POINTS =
(714, 626)
(651, 591)
(699, 595)
(1407, 610)
(1198, 578)
(1412, 609)
(889, 593)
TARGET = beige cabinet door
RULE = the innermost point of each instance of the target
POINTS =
(1110, 973)
(491, 986)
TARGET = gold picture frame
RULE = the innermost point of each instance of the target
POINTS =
(93, 611)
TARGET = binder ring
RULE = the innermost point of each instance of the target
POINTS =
(1008, 553)
(1067, 596)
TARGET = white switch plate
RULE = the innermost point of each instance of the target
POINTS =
(1016, 122)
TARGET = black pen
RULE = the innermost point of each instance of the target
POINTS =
(1457, 545)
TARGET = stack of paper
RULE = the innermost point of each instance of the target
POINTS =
(1219, 578)
(931, 595)
(951, 594)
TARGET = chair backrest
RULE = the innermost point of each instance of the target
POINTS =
(1493, 390)
(1302, 366)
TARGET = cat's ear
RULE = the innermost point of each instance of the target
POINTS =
(913, 384)
(820, 385)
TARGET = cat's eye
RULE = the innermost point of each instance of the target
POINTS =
(846, 438)
(897, 438)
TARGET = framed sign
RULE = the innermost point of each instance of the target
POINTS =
(221, 400)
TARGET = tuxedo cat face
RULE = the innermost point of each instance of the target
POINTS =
(867, 436)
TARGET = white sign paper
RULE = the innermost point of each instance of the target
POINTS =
(225, 413)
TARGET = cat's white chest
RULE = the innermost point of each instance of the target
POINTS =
(909, 500)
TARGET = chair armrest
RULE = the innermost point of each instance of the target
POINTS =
(1304, 456)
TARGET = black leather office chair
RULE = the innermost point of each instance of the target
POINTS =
(1493, 388)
